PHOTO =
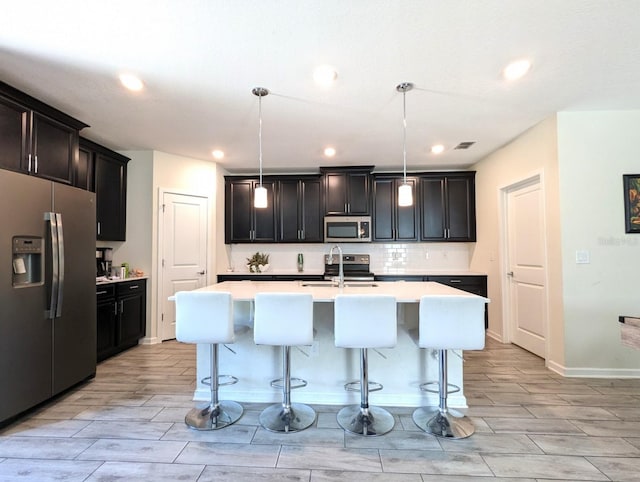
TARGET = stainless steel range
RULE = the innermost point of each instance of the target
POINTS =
(356, 267)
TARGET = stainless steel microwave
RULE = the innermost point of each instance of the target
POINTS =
(347, 229)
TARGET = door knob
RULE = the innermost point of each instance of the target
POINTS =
(510, 273)
(202, 272)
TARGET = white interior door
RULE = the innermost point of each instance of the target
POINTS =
(183, 250)
(526, 267)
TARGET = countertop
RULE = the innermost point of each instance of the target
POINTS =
(398, 272)
(105, 281)
(326, 292)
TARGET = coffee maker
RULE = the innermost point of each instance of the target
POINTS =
(104, 259)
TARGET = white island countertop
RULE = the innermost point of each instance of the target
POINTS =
(325, 291)
(326, 367)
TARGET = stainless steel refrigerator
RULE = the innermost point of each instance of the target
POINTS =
(47, 290)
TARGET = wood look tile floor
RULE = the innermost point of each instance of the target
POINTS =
(127, 424)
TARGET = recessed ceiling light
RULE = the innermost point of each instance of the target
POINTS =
(131, 82)
(437, 149)
(516, 70)
(329, 151)
(217, 154)
(325, 75)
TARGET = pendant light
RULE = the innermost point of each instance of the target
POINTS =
(260, 193)
(405, 194)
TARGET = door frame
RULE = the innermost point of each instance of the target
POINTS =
(159, 252)
(534, 177)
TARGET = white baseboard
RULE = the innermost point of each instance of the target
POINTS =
(149, 340)
(588, 372)
(495, 336)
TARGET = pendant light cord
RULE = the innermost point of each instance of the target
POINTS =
(404, 135)
(260, 135)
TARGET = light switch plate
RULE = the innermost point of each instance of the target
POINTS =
(582, 256)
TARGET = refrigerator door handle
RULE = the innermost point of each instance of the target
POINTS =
(58, 313)
(53, 234)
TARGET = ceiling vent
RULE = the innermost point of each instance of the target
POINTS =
(465, 145)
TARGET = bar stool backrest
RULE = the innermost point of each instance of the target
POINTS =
(283, 319)
(365, 321)
(204, 317)
(451, 322)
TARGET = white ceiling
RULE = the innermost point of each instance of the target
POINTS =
(200, 59)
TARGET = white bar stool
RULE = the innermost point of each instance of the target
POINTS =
(365, 321)
(448, 323)
(285, 319)
(207, 318)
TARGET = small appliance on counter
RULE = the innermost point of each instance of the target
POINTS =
(104, 260)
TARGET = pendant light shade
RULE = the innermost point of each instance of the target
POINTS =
(405, 193)
(260, 192)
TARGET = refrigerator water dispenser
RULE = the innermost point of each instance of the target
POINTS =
(27, 261)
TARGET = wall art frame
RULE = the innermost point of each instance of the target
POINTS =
(631, 187)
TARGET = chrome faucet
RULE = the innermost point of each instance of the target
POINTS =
(340, 268)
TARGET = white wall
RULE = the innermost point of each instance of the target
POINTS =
(582, 156)
(535, 151)
(595, 149)
(147, 173)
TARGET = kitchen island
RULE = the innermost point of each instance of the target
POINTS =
(327, 368)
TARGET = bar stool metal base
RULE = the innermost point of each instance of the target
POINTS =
(449, 423)
(279, 418)
(212, 417)
(370, 421)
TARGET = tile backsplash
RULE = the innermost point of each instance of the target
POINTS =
(385, 257)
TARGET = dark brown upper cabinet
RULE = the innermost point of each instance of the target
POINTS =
(35, 138)
(448, 206)
(243, 222)
(300, 215)
(109, 179)
(390, 221)
(347, 190)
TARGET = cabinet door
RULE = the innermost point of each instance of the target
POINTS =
(264, 230)
(130, 320)
(14, 135)
(432, 221)
(335, 193)
(461, 209)
(383, 210)
(106, 328)
(406, 225)
(358, 193)
(111, 198)
(311, 211)
(238, 209)
(288, 212)
(83, 175)
(54, 147)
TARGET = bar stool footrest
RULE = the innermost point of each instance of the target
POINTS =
(222, 380)
(295, 383)
(451, 388)
(355, 386)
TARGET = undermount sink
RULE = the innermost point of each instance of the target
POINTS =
(347, 284)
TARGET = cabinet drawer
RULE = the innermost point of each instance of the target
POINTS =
(130, 287)
(104, 292)
(473, 284)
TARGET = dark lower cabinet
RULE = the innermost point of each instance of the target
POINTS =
(121, 316)
(274, 277)
(476, 284)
